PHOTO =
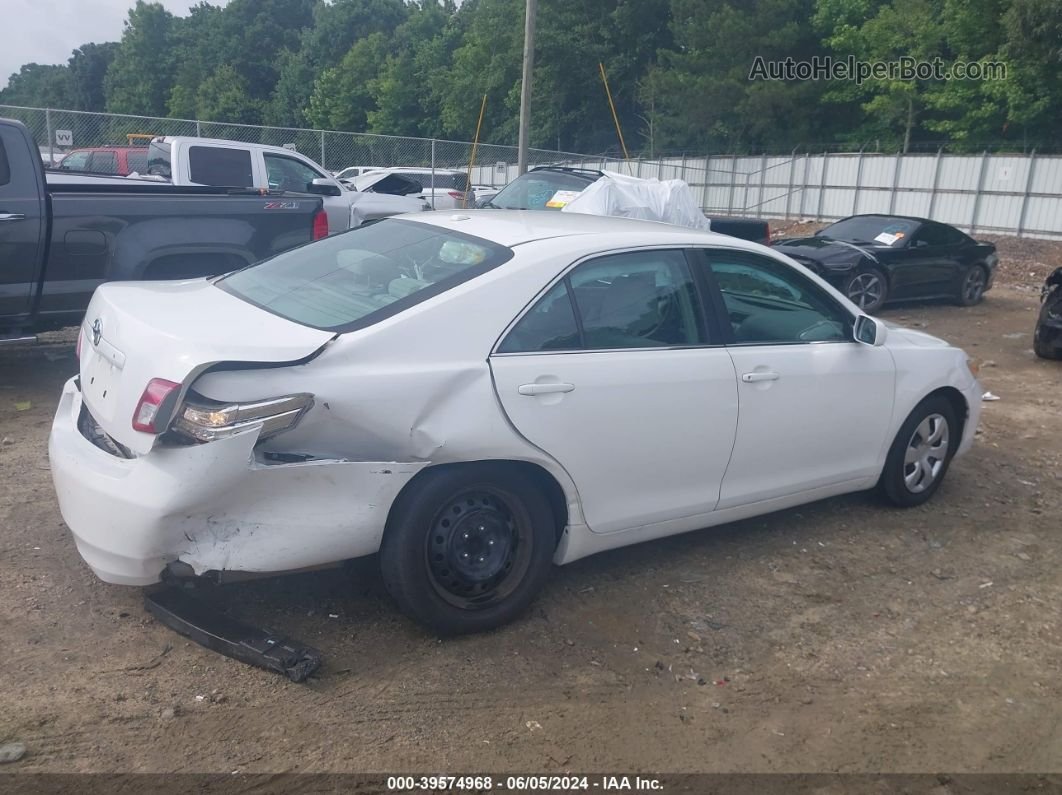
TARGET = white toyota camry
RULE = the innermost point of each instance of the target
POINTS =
(479, 396)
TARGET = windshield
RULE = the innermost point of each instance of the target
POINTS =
(540, 190)
(351, 280)
(878, 230)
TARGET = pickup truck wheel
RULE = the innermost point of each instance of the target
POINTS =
(466, 549)
(867, 288)
(920, 454)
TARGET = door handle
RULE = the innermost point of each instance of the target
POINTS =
(752, 378)
(544, 389)
(12, 217)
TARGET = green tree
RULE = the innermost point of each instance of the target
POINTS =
(699, 95)
(140, 77)
(88, 67)
(39, 86)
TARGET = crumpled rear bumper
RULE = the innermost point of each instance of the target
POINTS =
(214, 506)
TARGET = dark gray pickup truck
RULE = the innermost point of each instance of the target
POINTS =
(61, 236)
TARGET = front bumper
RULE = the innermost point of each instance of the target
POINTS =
(214, 506)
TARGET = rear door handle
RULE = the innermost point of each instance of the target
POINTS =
(544, 389)
(12, 217)
(752, 378)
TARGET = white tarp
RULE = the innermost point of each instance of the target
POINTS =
(670, 201)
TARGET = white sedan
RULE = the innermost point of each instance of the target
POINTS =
(478, 396)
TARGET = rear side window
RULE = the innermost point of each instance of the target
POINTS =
(137, 162)
(216, 165)
(640, 299)
(104, 163)
(352, 280)
(5, 167)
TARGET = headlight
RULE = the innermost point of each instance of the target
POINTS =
(206, 420)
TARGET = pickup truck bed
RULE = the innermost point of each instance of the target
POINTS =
(61, 237)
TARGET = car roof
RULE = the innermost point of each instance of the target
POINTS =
(516, 227)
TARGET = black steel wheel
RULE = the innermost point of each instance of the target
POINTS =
(468, 547)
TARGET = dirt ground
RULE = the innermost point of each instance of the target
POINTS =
(841, 636)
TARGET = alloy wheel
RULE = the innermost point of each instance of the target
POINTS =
(865, 290)
(974, 286)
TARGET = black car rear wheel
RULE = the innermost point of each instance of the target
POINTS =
(868, 289)
(973, 286)
(467, 548)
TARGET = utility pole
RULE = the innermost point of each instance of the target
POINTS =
(525, 87)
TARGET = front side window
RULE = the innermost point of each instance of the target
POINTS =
(75, 161)
(642, 299)
(286, 173)
(767, 302)
(217, 165)
(351, 280)
(5, 167)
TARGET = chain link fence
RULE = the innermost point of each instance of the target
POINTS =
(59, 132)
(1009, 194)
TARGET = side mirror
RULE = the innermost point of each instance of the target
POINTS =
(324, 187)
(870, 331)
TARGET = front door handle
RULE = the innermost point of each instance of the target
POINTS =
(752, 378)
(12, 217)
(544, 389)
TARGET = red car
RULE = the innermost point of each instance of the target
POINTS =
(115, 160)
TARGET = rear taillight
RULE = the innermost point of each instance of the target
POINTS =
(206, 420)
(320, 225)
(148, 408)
(456, 194)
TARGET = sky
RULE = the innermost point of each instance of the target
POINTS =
(47, 31)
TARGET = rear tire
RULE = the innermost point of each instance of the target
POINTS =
(920, 454)
(868, 289)
(972, 291)
(467, 548)
(1042, 349)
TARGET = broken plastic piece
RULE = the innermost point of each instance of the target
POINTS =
(211, 628)
(988, 396)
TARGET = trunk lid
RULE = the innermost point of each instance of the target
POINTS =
(136, 331)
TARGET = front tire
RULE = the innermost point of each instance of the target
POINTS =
(920, 454)
(868, 289)
(468, 547)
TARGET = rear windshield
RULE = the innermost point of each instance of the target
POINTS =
(158, 159)
(541, 190)
(357, 278)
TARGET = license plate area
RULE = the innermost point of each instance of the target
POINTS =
(100, 383)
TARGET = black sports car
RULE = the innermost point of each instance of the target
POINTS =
(1047, 339)
(875, 259)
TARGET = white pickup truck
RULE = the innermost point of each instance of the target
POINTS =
(211, 161)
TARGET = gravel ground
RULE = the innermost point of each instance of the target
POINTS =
(841, 636)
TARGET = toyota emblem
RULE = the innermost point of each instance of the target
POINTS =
(97, 332)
